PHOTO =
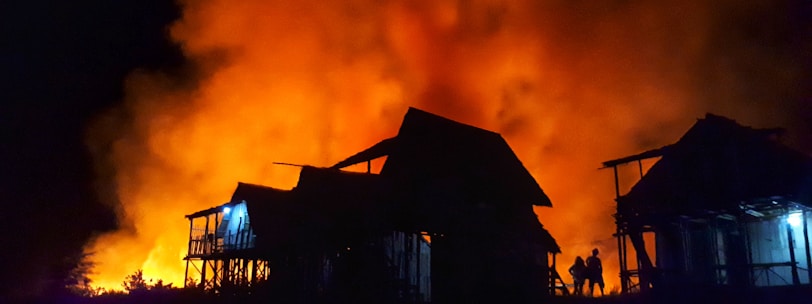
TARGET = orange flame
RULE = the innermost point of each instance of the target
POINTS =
(312, 82)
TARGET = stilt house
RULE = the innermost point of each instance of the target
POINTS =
(449, 219)
(726, 205)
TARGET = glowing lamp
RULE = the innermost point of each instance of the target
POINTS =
(226, 210)
(794, 219)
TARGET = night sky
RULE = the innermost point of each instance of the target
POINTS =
(63, 63)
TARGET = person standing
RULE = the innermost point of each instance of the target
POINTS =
(594, 271)
(578, 272)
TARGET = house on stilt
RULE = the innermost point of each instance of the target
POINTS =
(726, 206)
(449, 219)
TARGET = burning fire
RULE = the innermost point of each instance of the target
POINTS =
(311, 82)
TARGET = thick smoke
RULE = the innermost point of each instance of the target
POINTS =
(568, 83)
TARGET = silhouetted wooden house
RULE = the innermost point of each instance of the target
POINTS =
(449, 219)
(726, 204)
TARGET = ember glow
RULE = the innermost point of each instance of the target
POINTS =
(568, 84)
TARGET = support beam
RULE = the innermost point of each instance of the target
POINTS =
(617, 183)
(203, 282)
(623, 286)
(794, 264)
(254, 272)
(206, 238)
(621, 237)
(806, 247)
(215, 276)
(640, 167)
(644, 262)
(188, 252)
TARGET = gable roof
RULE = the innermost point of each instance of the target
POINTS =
(440, 176)
(441, 156)
(717, 164)
(447, 176)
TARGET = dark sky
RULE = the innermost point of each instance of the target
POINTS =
(63, 63)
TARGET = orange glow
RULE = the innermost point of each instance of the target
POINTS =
(312, 82)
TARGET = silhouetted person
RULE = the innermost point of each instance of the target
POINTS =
(594, 271)
(578, 272)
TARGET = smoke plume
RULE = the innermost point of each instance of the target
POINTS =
(569, 84)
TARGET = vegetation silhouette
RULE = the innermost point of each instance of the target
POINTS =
(140, 290)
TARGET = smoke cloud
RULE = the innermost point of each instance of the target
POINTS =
(569, 84)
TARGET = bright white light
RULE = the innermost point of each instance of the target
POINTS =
(794, 219)
(226, 210)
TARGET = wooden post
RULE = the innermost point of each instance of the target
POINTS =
(748, 245)
(795, 279)
(238, 235)
(806, 247)
(617, 183)
(206, 251)
(621, 240)
(552, 277)
(206, 241)
(254, 272)
(216, 225)
(419, 240)
(214, 268)
(203, 274)
(640, 167)
(189, 252)
(244, 273)
(191, 227)
(407, 259)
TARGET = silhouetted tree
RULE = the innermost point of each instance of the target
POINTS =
(76, 279)
(159, 285)
(135, 282)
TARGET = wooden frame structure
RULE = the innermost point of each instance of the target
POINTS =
(726, 205)
(219, 265)
(361, 237)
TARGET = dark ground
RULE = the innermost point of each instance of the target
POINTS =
(773, 295)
